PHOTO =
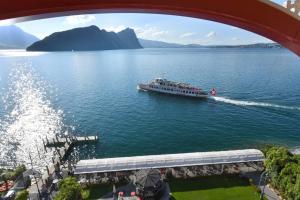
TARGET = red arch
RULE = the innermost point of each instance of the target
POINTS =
(259, 16)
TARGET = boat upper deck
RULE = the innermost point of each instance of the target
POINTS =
(165, 82)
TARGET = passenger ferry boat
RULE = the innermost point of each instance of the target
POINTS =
(169, 87)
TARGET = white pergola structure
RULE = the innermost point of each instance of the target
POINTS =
(168, 161)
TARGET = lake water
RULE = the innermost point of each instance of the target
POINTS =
(44, 94)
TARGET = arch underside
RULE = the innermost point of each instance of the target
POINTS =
(259, 16)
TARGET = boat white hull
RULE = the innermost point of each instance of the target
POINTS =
(174, 92)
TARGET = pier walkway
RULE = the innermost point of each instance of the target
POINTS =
(63, 148)
(59, 141)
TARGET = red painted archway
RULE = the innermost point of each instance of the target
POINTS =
(259, 16)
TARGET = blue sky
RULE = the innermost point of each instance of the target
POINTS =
(166, 28)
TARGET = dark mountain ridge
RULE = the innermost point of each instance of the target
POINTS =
(89, 38)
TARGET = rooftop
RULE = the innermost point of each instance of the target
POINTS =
(168, 160)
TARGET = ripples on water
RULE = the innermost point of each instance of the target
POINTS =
(257, 101)
(30, 119)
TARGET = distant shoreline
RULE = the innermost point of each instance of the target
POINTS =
(249, 46)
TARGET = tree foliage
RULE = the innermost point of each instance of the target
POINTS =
(22, 195)
(6, 175)
(12, 174)
(19, 170)
(284, 170)
(69, 189)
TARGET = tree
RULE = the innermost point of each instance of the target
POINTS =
(22, 195)
(297, 188)
(18, 171)
(284, 169)
(288, 178)
(69, 189)
(277, 158)
(6, 176)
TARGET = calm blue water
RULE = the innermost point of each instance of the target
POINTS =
(259, 97)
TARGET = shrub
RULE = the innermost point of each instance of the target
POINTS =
(258, 190)
(251, 181)
(22, 195)
(12, 174)
(284, 170)
(18, 171)
(69, 189)
(169, 175)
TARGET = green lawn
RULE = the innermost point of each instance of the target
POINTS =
(213, 188)
(96, 191)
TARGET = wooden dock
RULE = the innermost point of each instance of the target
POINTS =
(60, 142)
(63, 148)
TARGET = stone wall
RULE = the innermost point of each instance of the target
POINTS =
(176, 172)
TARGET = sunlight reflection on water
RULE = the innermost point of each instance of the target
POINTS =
(30, 118)
(19, 53)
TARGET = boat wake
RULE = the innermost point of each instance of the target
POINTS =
(252, 103)
(140, 89)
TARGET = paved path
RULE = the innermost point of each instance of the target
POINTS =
(269, 193)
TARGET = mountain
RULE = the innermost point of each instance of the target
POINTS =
(89, 38)
(247, 46)
(193, 46)
(4, 47)
(129, 38)
(12, 37)
(158, 44)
